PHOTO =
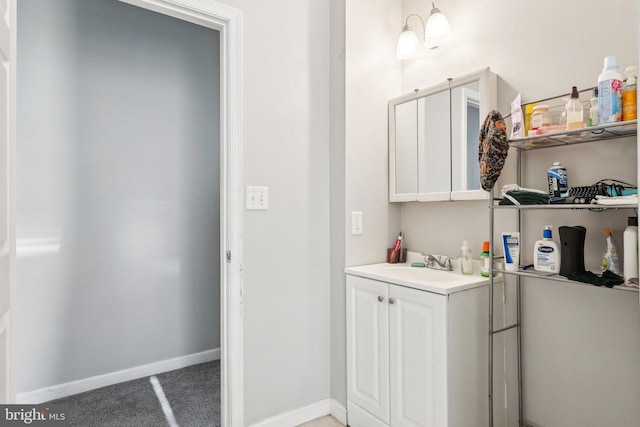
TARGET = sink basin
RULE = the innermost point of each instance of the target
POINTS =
(420, 273)
(428, 279)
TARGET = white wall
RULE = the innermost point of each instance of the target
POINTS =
(338, 219)
(286, 249)
(117, 190)
(372, 78)
(581, 344)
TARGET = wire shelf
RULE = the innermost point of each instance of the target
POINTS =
(577, 136)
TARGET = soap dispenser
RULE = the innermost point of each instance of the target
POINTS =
(546, 253)
(466, 259)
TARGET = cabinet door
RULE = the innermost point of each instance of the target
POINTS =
(434, 146)
(368, 345)
(403, 140)
(418, 358)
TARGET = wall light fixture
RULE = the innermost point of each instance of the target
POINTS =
(437, 32)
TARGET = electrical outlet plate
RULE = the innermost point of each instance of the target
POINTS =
(356, 223)
(257, 198)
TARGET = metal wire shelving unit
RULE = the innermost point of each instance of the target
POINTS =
(577, 136)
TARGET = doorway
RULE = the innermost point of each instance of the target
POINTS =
(145, 217)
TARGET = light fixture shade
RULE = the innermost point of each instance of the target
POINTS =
(437, 30)
(408, 44)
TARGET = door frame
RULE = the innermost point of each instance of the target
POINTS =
(228, 21)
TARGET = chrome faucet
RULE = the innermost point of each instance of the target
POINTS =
(438, 262)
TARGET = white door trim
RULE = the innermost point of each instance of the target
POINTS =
(228, 21)
(10, 16)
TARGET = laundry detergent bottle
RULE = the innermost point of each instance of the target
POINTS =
(610, 92)
(546, 253)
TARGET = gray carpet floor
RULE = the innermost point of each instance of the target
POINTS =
(192, 392)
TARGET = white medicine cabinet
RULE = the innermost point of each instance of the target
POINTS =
(433, 139)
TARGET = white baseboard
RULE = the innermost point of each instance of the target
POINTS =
(74, 387)
(338, 411)
(298, 416)
(306, 414)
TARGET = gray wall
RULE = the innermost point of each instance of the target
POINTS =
(118, 189)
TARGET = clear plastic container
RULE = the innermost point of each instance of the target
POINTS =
(466, 259)
(540, 117)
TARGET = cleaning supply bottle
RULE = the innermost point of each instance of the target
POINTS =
(558, 182)
(630, 94)
(610, 259)
(593, 111)
(574, 111)
(610, 92)
(485, 260)
(630, 246)
(466, 259)
(546, 253)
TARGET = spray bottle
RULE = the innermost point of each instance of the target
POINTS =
(610, 258)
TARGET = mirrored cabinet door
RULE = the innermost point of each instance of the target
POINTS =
(406, 148)
(465, 129)
(434, 166)
(472, 97)
(403, 148)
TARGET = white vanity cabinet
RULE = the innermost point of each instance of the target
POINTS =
(415, 358)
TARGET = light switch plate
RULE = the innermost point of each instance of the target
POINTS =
(257, 198)
(356, 223)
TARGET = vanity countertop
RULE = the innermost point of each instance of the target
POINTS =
(426, 279)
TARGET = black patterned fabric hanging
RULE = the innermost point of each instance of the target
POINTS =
(493, 148)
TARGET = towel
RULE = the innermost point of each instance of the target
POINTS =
(523, 197)
(493, 148)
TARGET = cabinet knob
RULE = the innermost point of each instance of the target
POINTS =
(380, 298)
(392, 301)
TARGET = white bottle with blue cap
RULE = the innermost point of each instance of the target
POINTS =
(610, 92)
(546, 253)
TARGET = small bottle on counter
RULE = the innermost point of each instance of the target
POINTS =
(466, 259)
(485, 260)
